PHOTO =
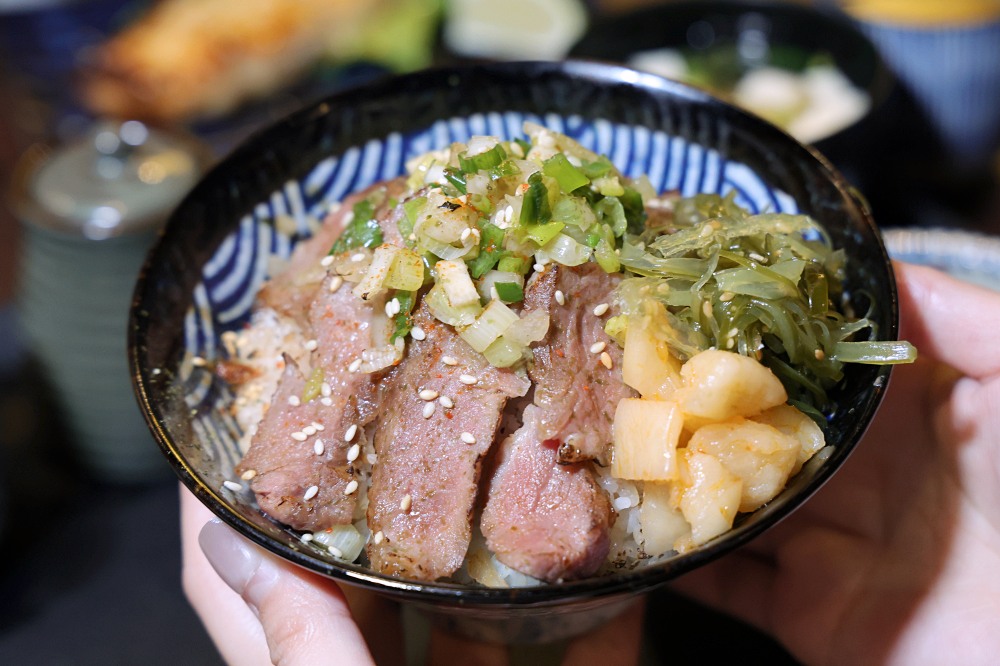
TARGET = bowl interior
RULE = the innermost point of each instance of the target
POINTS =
(201, 278)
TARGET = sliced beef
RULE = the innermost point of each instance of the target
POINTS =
(543, 518)
(424, 482)
(545, 514)
(578, 394)
(291, 291)
(286, 468)
(286, 465)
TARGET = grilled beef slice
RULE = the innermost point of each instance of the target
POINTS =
(424, 482)
(577, 393)
(545, 514)
(286, 468)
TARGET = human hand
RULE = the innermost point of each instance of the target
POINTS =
(896, 559)
(259, 609)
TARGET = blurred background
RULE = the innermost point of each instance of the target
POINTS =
(111, 109)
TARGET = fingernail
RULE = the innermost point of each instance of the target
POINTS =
(238, 562)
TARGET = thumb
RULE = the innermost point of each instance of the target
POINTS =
(305, 618)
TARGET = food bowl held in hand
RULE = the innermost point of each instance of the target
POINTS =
(199, 286)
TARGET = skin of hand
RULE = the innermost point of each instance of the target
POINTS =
(259, 609)
(896, 559)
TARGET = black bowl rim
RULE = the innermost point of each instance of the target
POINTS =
(616, 585)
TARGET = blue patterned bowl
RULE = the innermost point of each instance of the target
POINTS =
(202, 277)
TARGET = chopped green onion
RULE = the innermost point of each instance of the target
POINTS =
(489, 326)
(411, 212)
(362, 231)
(373, 282)
(503, 353)
(567, 175)
(597, 169)
(483, 161)
(606, 257)
(490, 249)
(509, 292)
(403, 320)
(616, 328)
(406, 271)
(514, 264)
(543, 233)
(456, 180)
(574, 211)
(313, 385)
(535, 207)
(446, 311)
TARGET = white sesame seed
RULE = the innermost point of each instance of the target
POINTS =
(248, 474)
(465, 234)
(706, 309)
(326, 261)
(326, 402)
(336, 282)
(726, 296)
(446, 402)
(336, 552)
(198, 362)
(353, 453)
(539, 267)
(393, 307)
(406, 503)
(354, 366)
(299, 436)
(428, 410)
(377, 538)
(606, 360)
(560, 297)
(351, 432)
(306, 538)
(351, 487)
(310, 493)
(319, 426)
(598, 347)
(601, 310)
(468, 438)
(294, 400)
(622, 503)
(319, 447)
(311, 345)
(309, 431)
(360, 256)
(417, 333)
(232, 485)
(372, 458)
(325, 390)
(449, 360)
(428, 394)
(468, 380)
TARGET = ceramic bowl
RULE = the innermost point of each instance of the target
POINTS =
(201, 278)
(764, 32)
